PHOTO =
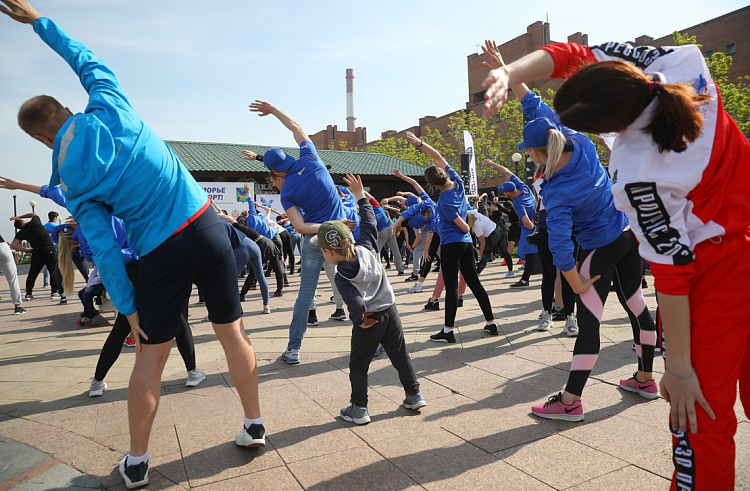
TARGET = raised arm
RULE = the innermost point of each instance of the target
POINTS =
(431, 152)
(264, 109)
(8, 183)
(408, 179)
(21, 217)
(495, 60)
(503, 170)
(20, 11)
(534, 66)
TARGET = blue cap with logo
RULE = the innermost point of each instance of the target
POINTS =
(412, 200)
(535, 133)
(276, 159)
(507, 187)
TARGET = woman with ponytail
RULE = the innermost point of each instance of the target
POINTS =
(457, 249)
(681, 172)
(577, 196)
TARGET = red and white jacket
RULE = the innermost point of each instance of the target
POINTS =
(674, 201)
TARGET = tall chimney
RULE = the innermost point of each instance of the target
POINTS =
(350, 119)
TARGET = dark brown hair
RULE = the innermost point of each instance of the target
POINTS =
(610, 95)
(435, 176)
(37, 113)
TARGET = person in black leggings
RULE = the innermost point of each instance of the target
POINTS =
(288, 248)
(457, 251)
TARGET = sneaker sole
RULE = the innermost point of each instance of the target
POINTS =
(338, 318)
(313, 323)
(443, 341)
(250, 442)
(194, 383)
(520, 287)
(491, 333)
(416, 291)
(561, 417)
(290, 360)
(96, 393)
(128, 483)
(544, 328)
(571, 334)
(415, 406)
(645, 395)
(358, 421)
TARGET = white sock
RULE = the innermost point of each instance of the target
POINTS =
(137, 460)
(446, 330)
(257, 421)
(419, 284)
(489, 323)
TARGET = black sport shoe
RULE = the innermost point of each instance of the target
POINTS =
(387, 265)
(436, 269)
(443, 337)
(644, 283)
(312, 319)
(253, 437)
(520, 284)
(413, 277)
(277, 293)
(242, 298)
(401, 273)
(286, 281)
(19, 310)
(63, 300)
(491, 329)
(559, 315)
(29, 296)
(135, 475)
(338, 315)
(430, 305)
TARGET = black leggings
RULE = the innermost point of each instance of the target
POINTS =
(455, 256)
(275, 265)
(113, 345)
(39, 259)
(426, 265)
(529, 263)
(286, 241)
(618, 263)
(549, 276)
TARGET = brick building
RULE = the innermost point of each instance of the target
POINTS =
(333, 139)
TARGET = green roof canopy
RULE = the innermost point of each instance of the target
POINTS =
(225, 157)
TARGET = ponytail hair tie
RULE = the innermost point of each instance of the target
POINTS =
(652, 87)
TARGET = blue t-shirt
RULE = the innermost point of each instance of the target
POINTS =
(308, 185)
(451, 205)
(416, 212)
(382, 217)
(351, 209)
(523, 204)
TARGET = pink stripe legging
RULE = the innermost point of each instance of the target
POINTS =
(440, 285)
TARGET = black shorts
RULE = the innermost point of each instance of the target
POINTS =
(514, 233)
(200, 254)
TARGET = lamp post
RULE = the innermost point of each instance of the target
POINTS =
(33, 204)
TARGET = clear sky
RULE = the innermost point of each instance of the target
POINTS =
(191, 68)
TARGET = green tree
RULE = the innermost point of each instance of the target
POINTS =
(735, 95)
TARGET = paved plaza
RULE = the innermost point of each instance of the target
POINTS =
(475, 433)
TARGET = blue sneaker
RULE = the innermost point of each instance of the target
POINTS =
(378, 351)
(291, 356)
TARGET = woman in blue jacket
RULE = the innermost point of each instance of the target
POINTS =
(457, 248)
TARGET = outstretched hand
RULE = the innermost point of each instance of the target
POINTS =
(20, 10)
(7, 183)
(493, 55)
(496, 95)
(262, 108)
(355, 185)
(412, 139)
(397, 173)
(249, 154)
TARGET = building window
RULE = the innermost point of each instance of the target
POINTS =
(730, 49)
(709, 54)
(333, 133)
(585, 39)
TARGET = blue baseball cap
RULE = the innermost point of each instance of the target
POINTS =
(276, 159)
(412, 200)
(507, 187)
(417, 221)
(535, 133)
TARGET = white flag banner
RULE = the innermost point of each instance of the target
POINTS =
(469, 146)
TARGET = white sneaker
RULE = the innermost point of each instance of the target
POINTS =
(571, 326)
(266, 309)
(97, 388)
(416, 288)
(510, 274)
(194, 378)
(546, 323)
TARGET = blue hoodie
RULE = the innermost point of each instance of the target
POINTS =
(416, 211)
(578, 197)
(109, 162)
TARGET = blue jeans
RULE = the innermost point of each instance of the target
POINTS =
(310, 263)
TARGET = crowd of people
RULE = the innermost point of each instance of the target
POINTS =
(676, 196)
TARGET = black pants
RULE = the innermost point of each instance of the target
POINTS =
(286, 241)
(121, 329)
(40, 259)
(275, 266)
(490, 246)
(426, 265)
(618, 263)
(455, 256)
(529, 262)
(387, 332)
(549, 275)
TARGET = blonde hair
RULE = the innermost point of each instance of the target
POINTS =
(65, 261)
(553, 151)
(347, 251)
(470, 220)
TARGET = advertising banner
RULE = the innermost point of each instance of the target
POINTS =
(469, 146)
(229, 196)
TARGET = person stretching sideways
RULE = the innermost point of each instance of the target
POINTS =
(369, 297)
(108, 161)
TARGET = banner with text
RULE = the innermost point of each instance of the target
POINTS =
(469, 146)
(229, 196)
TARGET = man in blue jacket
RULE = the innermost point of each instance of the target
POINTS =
(108, 161)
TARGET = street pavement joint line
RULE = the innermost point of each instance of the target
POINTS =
(441, 385)
(465, 440)
(29, 474)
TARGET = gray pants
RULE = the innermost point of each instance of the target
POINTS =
(384, 238)
(337, 298)
(8, 266)
(418, 254)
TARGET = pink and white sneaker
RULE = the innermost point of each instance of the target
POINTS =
(649, 389)
(554, 408)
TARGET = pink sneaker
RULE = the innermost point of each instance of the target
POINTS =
(649, 389)
(554, 408)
